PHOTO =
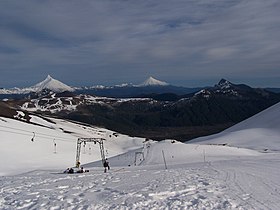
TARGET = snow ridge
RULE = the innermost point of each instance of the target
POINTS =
(259, 132)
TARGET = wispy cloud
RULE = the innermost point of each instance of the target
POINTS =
(113, 41)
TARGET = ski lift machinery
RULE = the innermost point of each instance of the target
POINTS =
(94, 140)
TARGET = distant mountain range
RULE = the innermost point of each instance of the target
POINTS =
(155, 110)
(49, 83)
(275, 90)
(149, 88)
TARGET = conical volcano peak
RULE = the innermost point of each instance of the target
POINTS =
(153, 82)
(49, 77)
(53, 85)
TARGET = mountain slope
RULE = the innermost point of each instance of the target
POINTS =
(49, 84)
(261, 132)
(195, 176)
(182, 117)
(153, 82)
(53, 85)
(149, 86)
(29, 145)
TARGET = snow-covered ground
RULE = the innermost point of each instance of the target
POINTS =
(243, 181)
(54, 103)
(54, 144)
(260, 132)
(203, 174)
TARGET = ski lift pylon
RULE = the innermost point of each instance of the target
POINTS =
(94, 140)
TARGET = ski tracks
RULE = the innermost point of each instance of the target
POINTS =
(219, 185)
(171, 189)
(249, 185)
(179, 188)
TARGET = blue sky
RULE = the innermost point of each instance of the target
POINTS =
(183, 42)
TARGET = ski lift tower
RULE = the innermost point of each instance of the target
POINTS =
(94, 140)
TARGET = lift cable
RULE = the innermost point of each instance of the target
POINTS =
(40, 135)
(37, 133)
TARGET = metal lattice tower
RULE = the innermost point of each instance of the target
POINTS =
(94, 140)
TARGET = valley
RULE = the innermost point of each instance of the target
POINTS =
(152, 115)
(233, 169)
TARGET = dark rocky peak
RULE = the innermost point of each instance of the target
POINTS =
(228, 88)
(224, 84)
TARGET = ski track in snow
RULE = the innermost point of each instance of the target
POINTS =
(216, 185)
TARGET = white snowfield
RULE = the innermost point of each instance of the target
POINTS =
(260, 132)
(196, 176)
(22, 154)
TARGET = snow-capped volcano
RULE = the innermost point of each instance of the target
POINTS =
(153, 82)
(52, 84)
(49, 83)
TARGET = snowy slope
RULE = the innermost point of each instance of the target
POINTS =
(260, 132)
(52, 84)
(16, 90)
(53, 103)
(152, 82)
(198, 176)
(220, 185)
(24, 155)
(228, 178)
(49, 83)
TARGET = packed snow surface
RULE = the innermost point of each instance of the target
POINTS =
(220, 173)
(239, 184)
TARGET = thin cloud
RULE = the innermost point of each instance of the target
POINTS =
(134, 39)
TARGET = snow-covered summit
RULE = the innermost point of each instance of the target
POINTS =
(153, 82)
(49, 83)
(227, 85)
(53, 85)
